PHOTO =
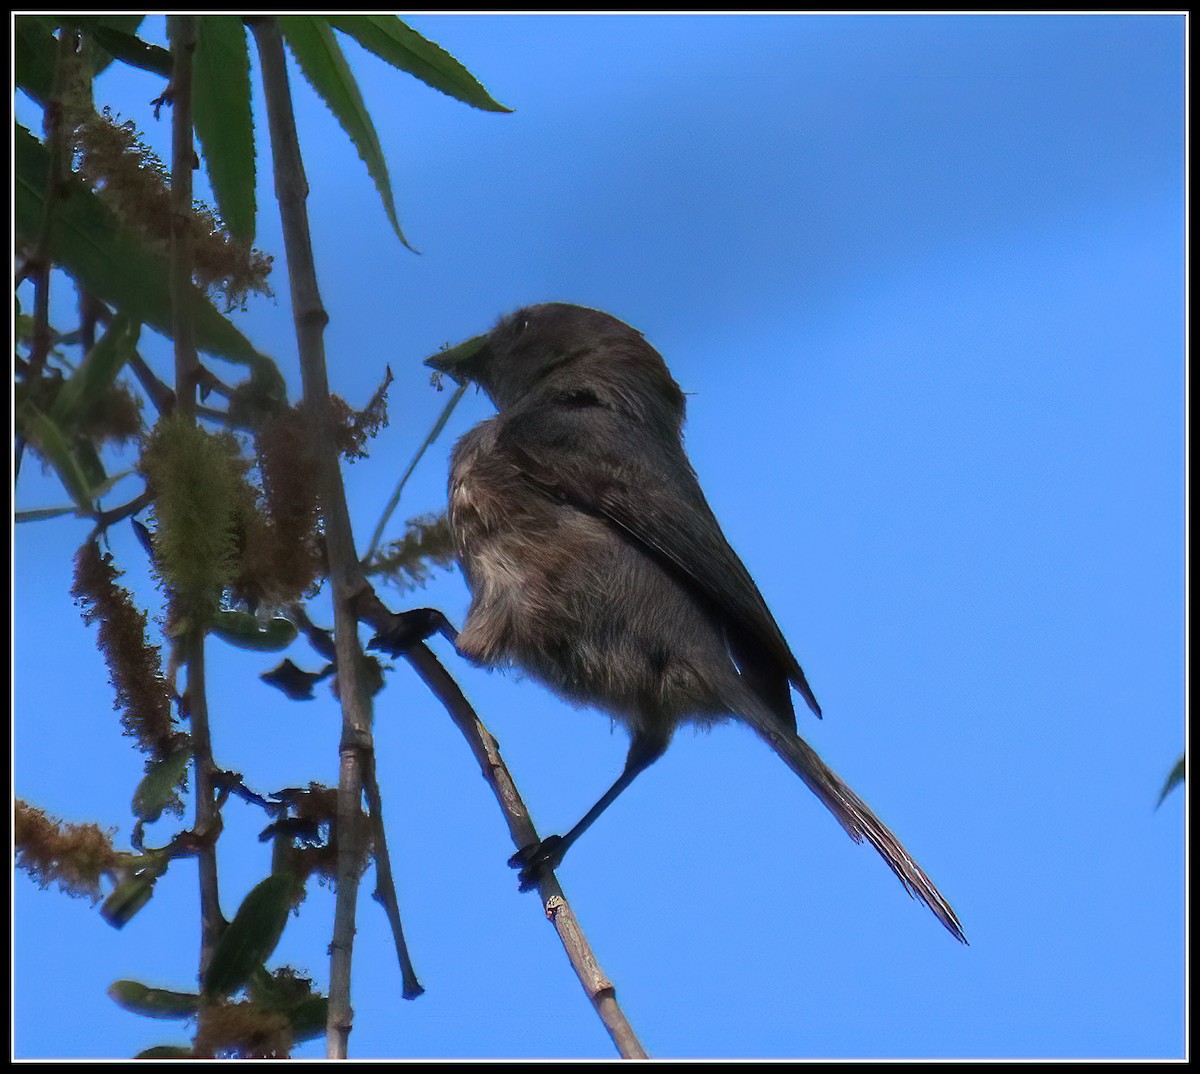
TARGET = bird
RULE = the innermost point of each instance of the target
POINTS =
(596, 566)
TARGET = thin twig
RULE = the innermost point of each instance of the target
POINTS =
(599, 988)
(57, 142)
(291, 190)
(160, 395)
(438, 425)
(37, 265)
(89, 315)
(318, 638)
(233, 783)
(210, 382)
(596, 985)
(104, 519)
(385, 887)
(182, 32)
(223, 418)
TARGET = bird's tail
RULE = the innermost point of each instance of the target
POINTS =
(851, 811)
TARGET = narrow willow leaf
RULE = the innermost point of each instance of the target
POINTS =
(251, 936)
(56, 449)
(308, 1018)
(320, 57)
(106, 260)
(106, 486)
(96, 373)
(246, 632)
(127, 24)
(89, 463)
(149, 1002)
(438, 426)
(33, 53)
(1174, 779)
(158, 786)
(112, 37)
(400, 45)
(39, 514)
(42, 513)
(224, 125)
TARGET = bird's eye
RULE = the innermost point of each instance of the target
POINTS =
(578, 398)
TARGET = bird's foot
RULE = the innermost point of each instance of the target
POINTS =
(537, 859)
(408, 629)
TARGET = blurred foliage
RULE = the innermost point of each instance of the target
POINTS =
(235, 540)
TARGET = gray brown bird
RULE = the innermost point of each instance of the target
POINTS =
(596, 565)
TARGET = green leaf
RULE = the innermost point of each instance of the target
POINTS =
(108, 261)
(126, 24)
(308, 1018)
(400, 45)
(1174, 779)
(149, 1002)
(34, 51)
(56, 449)
(434, 433)
(167, 1051)
(320, 57)
(251, 936)
(134, 890)
(158, 786)
(96, 372)
(224, 125)
(114, 37)
(93, 469)
(247, 632)
(42, 513)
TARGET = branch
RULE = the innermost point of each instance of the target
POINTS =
(385, 888)
(182, 32)
(37, 265)
(104, 519)
(600, 990)
(160, 395)
(57, 143)
(291, 191)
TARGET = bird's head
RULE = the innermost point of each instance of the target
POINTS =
(557, 353)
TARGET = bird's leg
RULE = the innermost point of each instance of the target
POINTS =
(409, 628)
(537, 858)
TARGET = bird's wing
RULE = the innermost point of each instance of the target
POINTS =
(642, 484)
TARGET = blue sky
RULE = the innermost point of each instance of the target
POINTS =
(923, 278)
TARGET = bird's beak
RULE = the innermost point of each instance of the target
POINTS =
(461, 362)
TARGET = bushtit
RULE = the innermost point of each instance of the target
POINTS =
(596, 565)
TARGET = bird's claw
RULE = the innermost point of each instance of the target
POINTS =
(536, 859)
(406, 630)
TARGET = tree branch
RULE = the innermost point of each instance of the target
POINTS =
(599, 989)
(182, 32)
(291, 190)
